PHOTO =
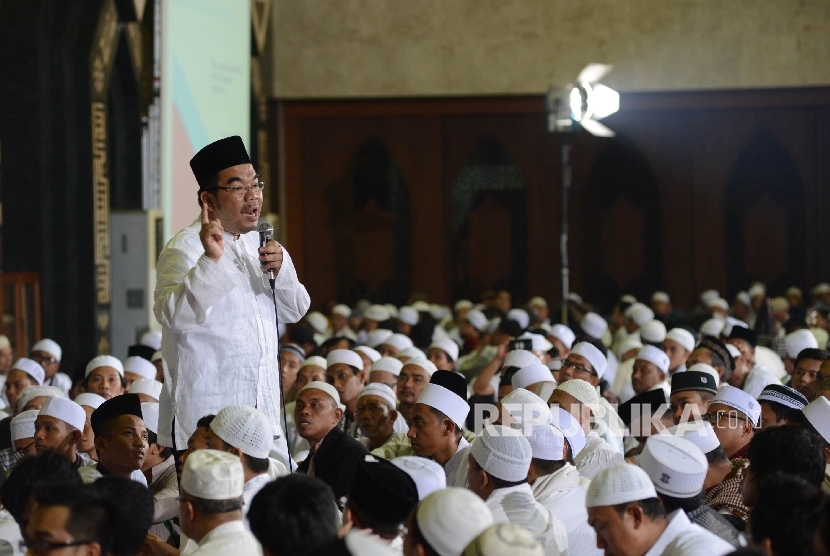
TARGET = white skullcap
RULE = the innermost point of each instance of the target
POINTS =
(4, 342)
(246, 428)
(575, 297)
(90, 400)
(427, 475)
(48, 346)
(756, 289)
(449, 519)
(699, 433)
(398, 341)
(821, 289)
(682, 337)
(547, 443)
(424, 364)
(392, 310)
(537, 341)
(569, 427)
(315, 361)
(526, 408)
(798, 341)
(708, 369)
(639, 314)
(421, 306)
(412, 352)
(439, 312)
(156, 357)
(628, 298)
(447, 346)
(593, 355)
(150, 416)
(408, 315)
(107, 361)
(31, 368)
(140, 366)
(593, 325)
(732, 322)
(503, 452)
(743, 297)
(372, 354)
(446, 401)
(794, 291)
(344, 356)
(653, 332)
(740, 400)
(675, 465)
(149, 387)
(66, 410)
(531, 375)
(151, 339)
(520, 316)
(712, 327)
(342, 310)
(733, 351)
(377, 313)
(619, 484)
(719, 303)
(388, 364)
(537, 302)
(563, 334)
(23, 425)
(632, 341)
(581, 390)
(213, 475)
(477, 319)
(28, 394)
(708, 295)
(778, 304)
(327, 388)
(817, 412)
(504, 538)
(377, 336)
(656, 356)
(520, 358)
(381, 391)
(462, 304)
(660, 297)
(554, 364)
(318, 321)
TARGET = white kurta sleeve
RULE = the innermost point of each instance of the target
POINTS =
(187, 289)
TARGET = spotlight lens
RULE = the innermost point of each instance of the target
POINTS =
(577, 109)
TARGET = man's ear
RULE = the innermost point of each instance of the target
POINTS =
(393, 415)
(338, 413)
(100, 444)
(361, 376)
(827, 454)
(74, 437)
(207, 199)
(637, 514)
(235, 451)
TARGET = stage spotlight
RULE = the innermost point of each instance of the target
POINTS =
(585, 103)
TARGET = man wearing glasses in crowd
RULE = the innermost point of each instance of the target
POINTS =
(214, 301)
(733, 414)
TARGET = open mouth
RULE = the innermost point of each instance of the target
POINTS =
(251, 211)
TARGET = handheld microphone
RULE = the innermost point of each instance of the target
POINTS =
(266, 234)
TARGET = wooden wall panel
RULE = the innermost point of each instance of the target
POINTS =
(689, 143)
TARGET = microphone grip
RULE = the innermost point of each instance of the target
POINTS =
(265, 237)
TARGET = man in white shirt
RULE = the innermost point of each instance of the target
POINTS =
(210, 505)
(628, 517)
(244, 432)
(499, 460)
(214, 301)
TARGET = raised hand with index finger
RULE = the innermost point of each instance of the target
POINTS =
(211, 235)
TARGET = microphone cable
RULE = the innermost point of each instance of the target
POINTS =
(279, 374)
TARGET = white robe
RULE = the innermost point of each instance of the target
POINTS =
(596, 456)
(758, 379)
(684, 538)
(517, 505)
(229, 538)
(219, 339)
(562, 494)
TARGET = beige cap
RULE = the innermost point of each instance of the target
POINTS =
(213, 475)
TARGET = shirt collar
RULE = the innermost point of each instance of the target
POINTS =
(678, 522)
(159, 470)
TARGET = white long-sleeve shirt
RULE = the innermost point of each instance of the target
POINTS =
(219, 340)
(517, 505)
(683, 538)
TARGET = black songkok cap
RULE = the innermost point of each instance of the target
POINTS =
(382, 491)
(452, 381)
(647, 401)
(693, 380)
(145, 352)
(217, 156)
(125, 404)
(716, 346)
(742, 333)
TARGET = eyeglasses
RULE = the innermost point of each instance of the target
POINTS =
(577, 368)
(41, 359)
(44, 547)
(241, 190)
(22, 451)
(718, 416)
